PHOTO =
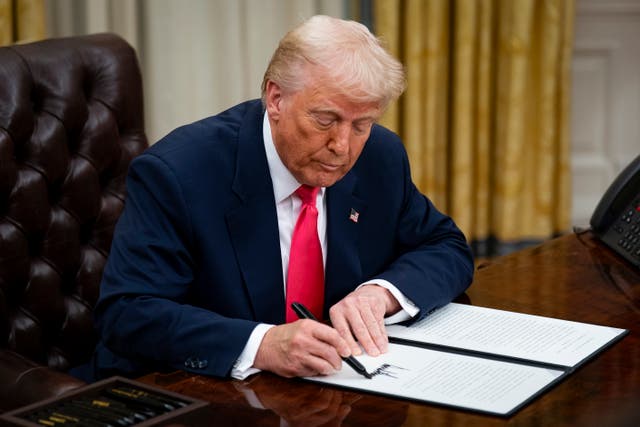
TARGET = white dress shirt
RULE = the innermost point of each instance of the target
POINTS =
(288, 208)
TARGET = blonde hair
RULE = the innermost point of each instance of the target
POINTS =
(345, 53)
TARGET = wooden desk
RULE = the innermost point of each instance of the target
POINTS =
(572, 277)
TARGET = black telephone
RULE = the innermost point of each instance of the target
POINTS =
(616, 220)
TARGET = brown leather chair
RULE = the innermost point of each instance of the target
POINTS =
(71, 120)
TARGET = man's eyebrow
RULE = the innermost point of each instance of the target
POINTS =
(366, 119)
(369, 118)
(325, 111)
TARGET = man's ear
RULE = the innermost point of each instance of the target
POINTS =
(273, 98)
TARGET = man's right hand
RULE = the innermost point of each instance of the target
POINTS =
(301, 348)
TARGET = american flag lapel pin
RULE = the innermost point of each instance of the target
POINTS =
(353, 216)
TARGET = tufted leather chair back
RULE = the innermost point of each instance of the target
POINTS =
(71, 120)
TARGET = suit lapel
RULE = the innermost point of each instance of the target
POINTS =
(253, 223)
(343, 270)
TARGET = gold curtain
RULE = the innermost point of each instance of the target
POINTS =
(485, 118)
(21, 21)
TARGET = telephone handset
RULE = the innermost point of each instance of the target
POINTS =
(616, 220)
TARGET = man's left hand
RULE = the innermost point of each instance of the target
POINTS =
(360, 317)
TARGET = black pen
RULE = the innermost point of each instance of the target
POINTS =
(304, 313)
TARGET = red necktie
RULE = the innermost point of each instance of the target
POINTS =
(305, 277)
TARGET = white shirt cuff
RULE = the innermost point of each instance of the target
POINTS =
(409, 309)
(244, 364)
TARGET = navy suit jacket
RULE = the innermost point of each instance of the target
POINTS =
(195, 261)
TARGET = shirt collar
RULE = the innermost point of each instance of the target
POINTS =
(284, 183)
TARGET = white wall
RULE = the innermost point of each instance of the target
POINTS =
(605, 98)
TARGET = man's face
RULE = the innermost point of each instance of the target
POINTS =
(318, 132)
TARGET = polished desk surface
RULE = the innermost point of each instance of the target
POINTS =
(573, 277)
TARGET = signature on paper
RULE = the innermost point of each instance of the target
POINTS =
(388, 370)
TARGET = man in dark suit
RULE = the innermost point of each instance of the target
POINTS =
(198, 277)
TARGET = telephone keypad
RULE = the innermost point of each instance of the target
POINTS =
(628, 228)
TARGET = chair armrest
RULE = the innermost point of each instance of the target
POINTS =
(23, 381)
